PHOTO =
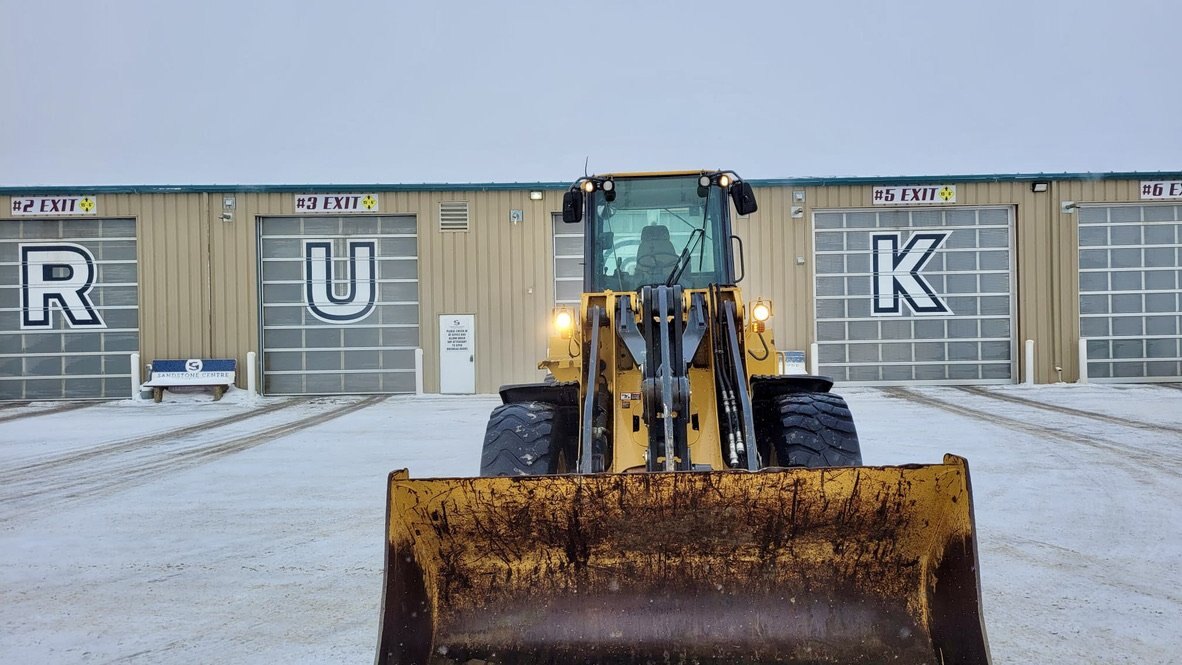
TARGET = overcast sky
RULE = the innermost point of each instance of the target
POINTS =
(238, 92)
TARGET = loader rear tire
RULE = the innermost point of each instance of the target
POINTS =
(522, 439)
(814, 430)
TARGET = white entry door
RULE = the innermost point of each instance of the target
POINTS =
(457, 353)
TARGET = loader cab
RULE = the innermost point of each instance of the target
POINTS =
(650, 229)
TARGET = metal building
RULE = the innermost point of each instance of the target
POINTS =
(385, 288)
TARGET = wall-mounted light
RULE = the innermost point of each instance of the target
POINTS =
(1068, 207)
(1039, 186)
(535, 196)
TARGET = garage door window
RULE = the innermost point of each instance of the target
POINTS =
(1130, 291)
(915, 295)
(340, 304)
(69, 308)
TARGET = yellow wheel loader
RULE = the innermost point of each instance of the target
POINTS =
(666, 496)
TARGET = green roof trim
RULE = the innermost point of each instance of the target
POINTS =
(958, 179)
(52, 190)
(834, 181)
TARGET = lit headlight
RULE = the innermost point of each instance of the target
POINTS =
(724, 181)
(588, 186)
(564, 322)
(761, 311)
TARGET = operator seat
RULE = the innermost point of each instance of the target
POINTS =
(655, 257)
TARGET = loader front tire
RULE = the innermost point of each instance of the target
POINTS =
(814, 430)
(522, 439)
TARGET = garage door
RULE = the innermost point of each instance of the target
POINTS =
(69, 308)
(915, 295)
(340, 306)
(1130, 287)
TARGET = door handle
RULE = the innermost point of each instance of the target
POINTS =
(471, 359)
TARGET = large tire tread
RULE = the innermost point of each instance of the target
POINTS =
(814, 430)
(521, 440)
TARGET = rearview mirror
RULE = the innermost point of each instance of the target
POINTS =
(572, 206)
(744, 198)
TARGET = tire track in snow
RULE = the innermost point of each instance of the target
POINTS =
(60, 408)
(50, 493)
(1096, 568)
(1115, 420)
(1133, 458)
(122, 445)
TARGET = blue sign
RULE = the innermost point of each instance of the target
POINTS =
(193, 372)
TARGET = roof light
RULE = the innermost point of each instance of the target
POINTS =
(724, 181)
(704, 181)
(588, 186)
(608, 185)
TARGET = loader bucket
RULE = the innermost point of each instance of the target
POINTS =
(835, 565)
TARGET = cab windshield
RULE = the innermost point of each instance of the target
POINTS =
(654, 221)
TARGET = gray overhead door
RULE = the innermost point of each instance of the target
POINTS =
(69, 308)
(340, 305)
(915, 295)
(568, 261)
(1130, 291)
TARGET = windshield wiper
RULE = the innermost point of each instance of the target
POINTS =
(682, 262)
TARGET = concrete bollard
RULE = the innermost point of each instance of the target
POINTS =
(135, 376)
(419, 371)
(1029, 363)
(251, 372)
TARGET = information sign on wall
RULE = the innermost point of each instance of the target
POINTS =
(30, 206)
(1154, 190)
(914, 195)
(365, 202)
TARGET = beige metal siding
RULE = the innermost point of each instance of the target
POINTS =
(173, 257)
(199, 275)
(1046, 271)
(779, 239)
(498, 271)
(772, 240)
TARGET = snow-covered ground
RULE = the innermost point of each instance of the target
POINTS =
(251, 530)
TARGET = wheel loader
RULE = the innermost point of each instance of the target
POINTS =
(666, 495)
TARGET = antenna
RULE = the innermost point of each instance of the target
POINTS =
(585, 163)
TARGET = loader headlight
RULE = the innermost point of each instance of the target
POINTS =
(761, 311)
(724, 181)
(588, 186)
(564, 322)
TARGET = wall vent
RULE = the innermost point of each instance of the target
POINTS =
(453, 216)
